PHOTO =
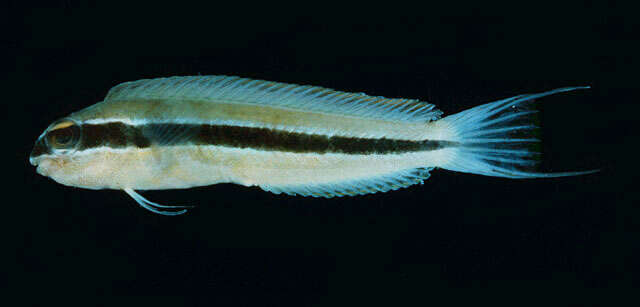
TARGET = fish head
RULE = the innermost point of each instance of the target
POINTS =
(54, 152)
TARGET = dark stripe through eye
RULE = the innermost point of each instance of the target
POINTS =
(114, 135)
(120, 135)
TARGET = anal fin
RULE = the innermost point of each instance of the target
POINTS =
(357, 186)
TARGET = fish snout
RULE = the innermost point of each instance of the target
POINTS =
(38, 151)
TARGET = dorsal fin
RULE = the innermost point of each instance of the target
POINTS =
(291, 96)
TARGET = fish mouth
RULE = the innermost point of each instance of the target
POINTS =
(43, 165)
(38, 160)
(33, 161)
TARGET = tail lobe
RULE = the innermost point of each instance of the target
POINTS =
(498, 138)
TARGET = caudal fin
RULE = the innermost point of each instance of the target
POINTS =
(498, 138)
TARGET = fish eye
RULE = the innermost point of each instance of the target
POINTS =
(63, 134)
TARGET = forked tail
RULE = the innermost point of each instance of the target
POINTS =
(498, 138)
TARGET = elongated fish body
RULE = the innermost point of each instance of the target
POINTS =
(183, 132)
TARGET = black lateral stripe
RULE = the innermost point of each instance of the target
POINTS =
(118, 135)
(114, 135)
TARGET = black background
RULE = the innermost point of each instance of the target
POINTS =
(553, 239)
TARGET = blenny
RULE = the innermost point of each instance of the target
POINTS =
(181, 132)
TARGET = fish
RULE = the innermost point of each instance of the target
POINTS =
(189, 131)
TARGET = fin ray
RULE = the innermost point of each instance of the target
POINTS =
(161, 134)
(496, 138)
(299, 97)
(382, 183)
(153, 207)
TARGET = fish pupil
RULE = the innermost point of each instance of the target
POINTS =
(64, 137)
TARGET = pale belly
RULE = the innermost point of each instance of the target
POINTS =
(205, 165)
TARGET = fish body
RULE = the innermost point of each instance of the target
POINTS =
(183, 132)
